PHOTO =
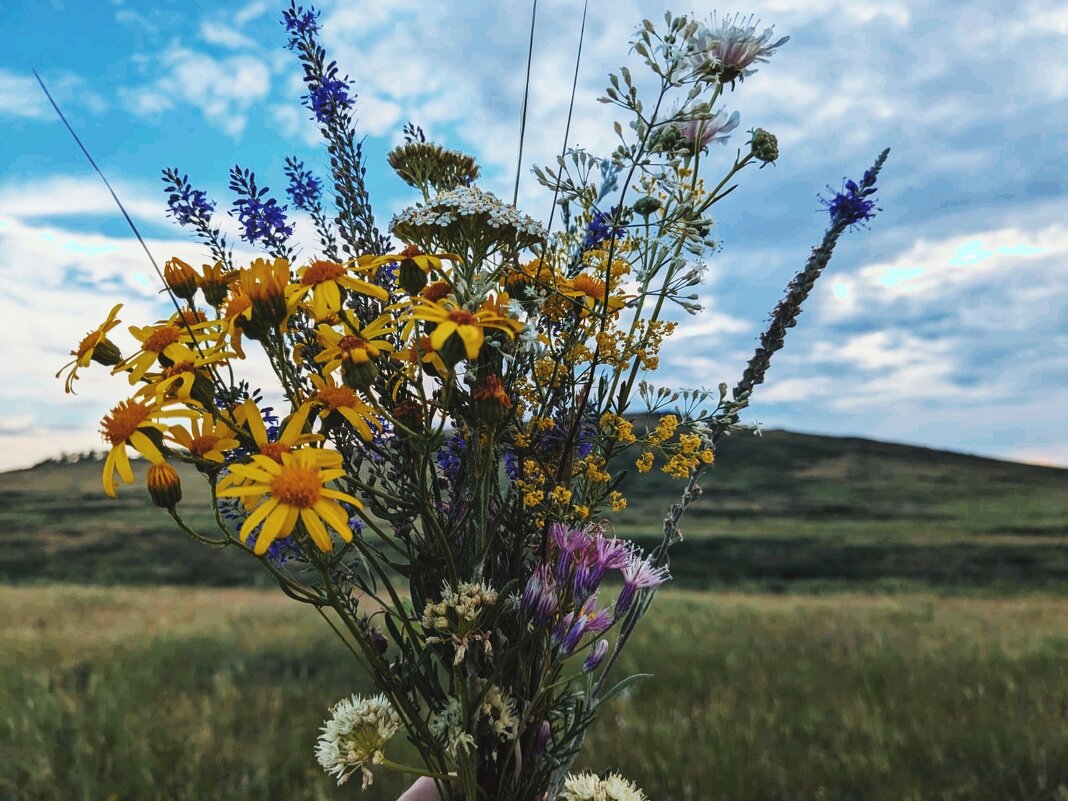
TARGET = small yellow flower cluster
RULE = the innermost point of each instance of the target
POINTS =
(665, 429)
(688, 457)
(618, 501)
(617, 427)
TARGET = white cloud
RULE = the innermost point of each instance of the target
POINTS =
(218, 33)
(20, 96)
(224, 89)
(58, 196)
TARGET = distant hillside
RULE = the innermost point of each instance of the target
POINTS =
(780, 511)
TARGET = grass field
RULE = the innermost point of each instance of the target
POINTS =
(179, 693)
(782, 512)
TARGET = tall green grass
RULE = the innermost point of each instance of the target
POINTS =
(218, 694)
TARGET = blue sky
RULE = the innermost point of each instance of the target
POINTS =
(944, 325)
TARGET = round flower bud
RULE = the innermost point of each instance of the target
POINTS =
(180, 279)
(646, 205)
(106, 353)
(359, 375)
(164, 485)
(765, 146)
(411, 277)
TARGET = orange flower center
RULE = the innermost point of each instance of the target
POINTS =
(589, 286)
(203, 444)
(298, 486)
(274, 450)
(192, 316)
(320, 271)
(463, 317)
(122, 421)
(411, 251)
(349, 343)
(91, 340)
(336, 397)
(161, 338)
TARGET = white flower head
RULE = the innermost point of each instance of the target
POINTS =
(354, 735)
(729, 47)
(589, 787)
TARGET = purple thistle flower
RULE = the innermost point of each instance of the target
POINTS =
(539, 596)
(601, 553)
(853, 205)
(595, 657)
(569, 541)
(575, 625)
(329, 96)
(638, 574)
(701, 132)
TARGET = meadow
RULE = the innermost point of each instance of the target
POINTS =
(183, 694)
(849, 620)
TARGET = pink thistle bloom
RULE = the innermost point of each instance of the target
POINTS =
(575, 625)
(727, 49)
(638, 575)
(569, 541)
(700, 132)
(539, 596)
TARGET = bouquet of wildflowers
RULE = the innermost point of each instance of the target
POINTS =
(459, 402)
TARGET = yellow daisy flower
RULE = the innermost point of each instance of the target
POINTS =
(414, 266)
(94, 347)
(590, 292)
(291, 437)
(180, 279)
(207, 437)
(459, 332)
(264, 283)
(345, 402)
(133, 422)
(186, 380)
(355, 347)
(326, 281)
(168, 341)
(214, 281)
(235, 315)
(290, 491)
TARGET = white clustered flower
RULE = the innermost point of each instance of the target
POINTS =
(448, 725)
(499, 712)
(354, 736)
(589, 787)
(458, 614)
(468, 206)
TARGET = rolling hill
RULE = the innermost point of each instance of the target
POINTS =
(782, 512)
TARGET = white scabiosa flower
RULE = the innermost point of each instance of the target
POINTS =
(590, 787)
(353, 737)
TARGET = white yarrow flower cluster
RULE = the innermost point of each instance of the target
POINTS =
(590, 787)
(354, 736)
(472, 212)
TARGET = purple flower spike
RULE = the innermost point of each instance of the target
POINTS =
(639, 574)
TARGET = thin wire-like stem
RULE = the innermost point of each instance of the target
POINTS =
(526, 100)
(570, 110)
